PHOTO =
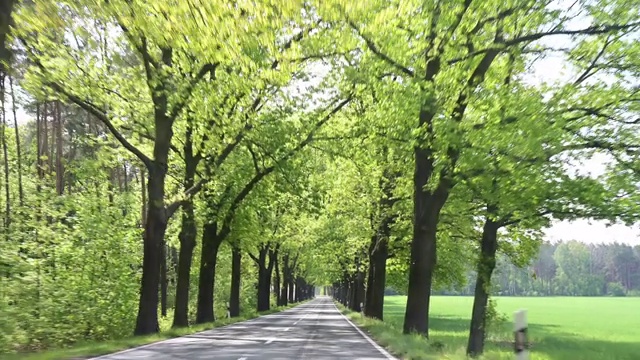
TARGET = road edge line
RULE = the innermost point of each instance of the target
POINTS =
(177, 337)
(377, 346)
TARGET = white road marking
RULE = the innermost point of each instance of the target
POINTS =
(269, 341)
(373, 343)
(287, 329)
(242, 358)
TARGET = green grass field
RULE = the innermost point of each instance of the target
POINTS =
(571, 328)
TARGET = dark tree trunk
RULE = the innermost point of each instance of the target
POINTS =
(286, 279)
(155, 228)
(264, 275)
(357, 293)
(485, 266)
(5, 152)
(263, 280)
(378, 254)
(187, 236)
(276, 281)
(292, 294)
(59, 149)
(18, 149)
(234, 298)
(164, 281)
(423, 261)
(298, 291)
(6, 8)
(210, 245)
(427, 207)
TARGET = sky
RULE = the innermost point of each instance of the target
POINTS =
(552, 69)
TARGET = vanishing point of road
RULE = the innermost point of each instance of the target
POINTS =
(314, 330)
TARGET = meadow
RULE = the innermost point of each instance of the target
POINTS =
(572, 328)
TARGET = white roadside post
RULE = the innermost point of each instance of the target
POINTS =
(521, 344)
(228, 311)
(362, 308)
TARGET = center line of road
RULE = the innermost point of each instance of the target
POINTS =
(287, 329)
(242, 358)
(270, 341)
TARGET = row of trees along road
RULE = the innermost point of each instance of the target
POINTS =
(567, 268)
(297, 143)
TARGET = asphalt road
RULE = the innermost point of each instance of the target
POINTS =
(314, 330)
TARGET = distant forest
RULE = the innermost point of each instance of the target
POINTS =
(569, 268)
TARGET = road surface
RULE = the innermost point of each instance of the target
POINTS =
(314, 330)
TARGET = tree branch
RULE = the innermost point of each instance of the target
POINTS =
(372, 46)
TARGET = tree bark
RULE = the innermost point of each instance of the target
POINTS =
(59, 150)
(234, 297)
(292, 297)
(276, 281)
(427, 207)
(286, 279)
(187, 236)
(486, 265)
(265, 271)
(155, 228)
(164, 281)
(5, 152)
(6, 8)
(374, 299)
(18, 149)
(206, 285)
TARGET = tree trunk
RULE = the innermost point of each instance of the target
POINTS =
(210, 245)
(378, 254)
(164, 281)
(234, 297)
(427, 207)
(59, 149)
(143, 189)
(286, 279)
(6, 8)
(276, 282)
(5, 153)
(155, 228)
(187, 236)
(292, 295)
(18, 150)
(485, 266)
(264, 276)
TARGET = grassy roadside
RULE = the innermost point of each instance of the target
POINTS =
(395, 342)
(84, 350)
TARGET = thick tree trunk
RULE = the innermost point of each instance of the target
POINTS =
(485, 266)
(144, 191)
(263, 290)
(155, 228)
(427, 207)
(164, 281)
(187, 236)
(292, 294)
(210, 245)
(264, 276)
(298, 291)
(276, 282)
(234, 297)
(378, 254)
(358, 291)
(6, 8)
